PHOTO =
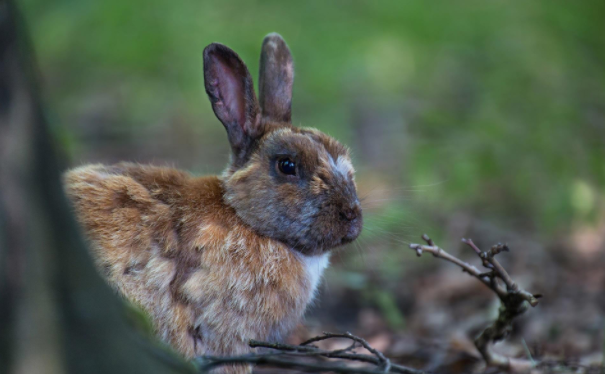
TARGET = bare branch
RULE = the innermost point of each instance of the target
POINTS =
(275, 360)
(289, 356)
(513, 300)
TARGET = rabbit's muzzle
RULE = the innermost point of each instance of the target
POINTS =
(352, 217)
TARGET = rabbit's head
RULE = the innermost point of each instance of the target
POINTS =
(295, 185)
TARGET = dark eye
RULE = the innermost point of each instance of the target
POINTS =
(286, 166)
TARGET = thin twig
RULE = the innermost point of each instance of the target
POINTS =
(301, 350)
(466, 267)
(386, 363)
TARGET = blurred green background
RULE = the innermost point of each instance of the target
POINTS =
(457, 112)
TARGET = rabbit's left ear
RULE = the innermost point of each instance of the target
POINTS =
(231, 92)
(276, 77)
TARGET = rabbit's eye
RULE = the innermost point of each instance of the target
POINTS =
(286, 166)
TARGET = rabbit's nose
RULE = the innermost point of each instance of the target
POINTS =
(350, 214)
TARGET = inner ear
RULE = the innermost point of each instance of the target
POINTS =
(276, 77)
(231, 92)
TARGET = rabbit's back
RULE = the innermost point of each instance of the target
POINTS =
(168, 242)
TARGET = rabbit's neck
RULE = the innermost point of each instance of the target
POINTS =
(315, 267)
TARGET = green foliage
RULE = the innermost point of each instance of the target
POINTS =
(504, 103)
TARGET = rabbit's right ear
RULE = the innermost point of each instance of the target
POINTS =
(276, 77)
(231, 92)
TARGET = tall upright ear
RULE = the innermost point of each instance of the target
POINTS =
(231, 92)
(276, 77)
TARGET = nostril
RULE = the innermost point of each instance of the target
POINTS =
(349, 214)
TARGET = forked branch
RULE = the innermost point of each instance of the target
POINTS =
(514, 300)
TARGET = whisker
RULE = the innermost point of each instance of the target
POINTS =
(412, 188)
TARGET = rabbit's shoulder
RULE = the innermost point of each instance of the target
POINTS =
(129, 211)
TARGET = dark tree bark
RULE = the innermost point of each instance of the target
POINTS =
(56, 314)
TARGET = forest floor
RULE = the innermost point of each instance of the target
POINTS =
(443, 309)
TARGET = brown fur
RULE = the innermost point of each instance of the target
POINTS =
(215, 267)
(217, 261)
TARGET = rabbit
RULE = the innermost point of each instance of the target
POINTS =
(219, 260)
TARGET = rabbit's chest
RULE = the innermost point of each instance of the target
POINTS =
(257, 286)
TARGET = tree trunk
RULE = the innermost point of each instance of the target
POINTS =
(56, 314)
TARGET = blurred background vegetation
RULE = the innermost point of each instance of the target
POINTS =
(464, 117)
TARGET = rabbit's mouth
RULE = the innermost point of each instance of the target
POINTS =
(342, 234)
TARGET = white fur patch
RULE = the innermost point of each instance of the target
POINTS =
(342, 165)
(315, 266)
